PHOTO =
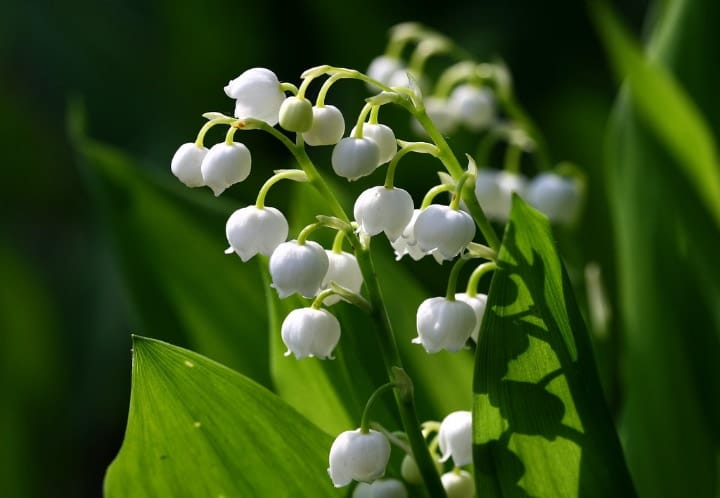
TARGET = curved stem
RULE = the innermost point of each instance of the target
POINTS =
(365, 419)
(420, 147)
(297, 175)
(434, 192)
(457, 195)
(361, 119)
(199, 141)
(453, 278)
(337, 246)
(476, 275)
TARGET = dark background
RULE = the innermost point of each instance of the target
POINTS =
(145, 72)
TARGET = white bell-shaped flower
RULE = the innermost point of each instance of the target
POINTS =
(494, 190)
(473, 106)
(186, 163)
(310, 332)
(298, 268)
(455, 438)
(252, 230)
(440, 113)
(380, 209)
(443, 231)
(328, 126)
(385, 70)
(407, 243)
(296, 114)
(384, 136)
(444, 324)
(382, 488)
(478, 302)
(358, 456)
(343, 269)
(354, 157)
(555, 196)
(458, 484)
(225, 165)
(257, 95)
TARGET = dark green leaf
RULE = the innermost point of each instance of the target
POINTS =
(198, 429)
(541, 427)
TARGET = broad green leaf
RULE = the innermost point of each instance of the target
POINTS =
(541, 425)
(170, 248)
(197, 428)
(665, 107)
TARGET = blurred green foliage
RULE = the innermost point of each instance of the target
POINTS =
(145, 71)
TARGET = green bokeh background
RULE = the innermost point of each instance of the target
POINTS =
(145, 72)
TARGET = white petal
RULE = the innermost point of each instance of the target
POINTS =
(455, 438)
(328, 126)
(251, 231)
(297, 268)
(353, 158)
(185, 164)
(225, 165)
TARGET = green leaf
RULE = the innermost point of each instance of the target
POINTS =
(169, 242)
(541, 424)
(665, 107)
(197, 428)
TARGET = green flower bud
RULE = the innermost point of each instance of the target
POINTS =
(296, 114)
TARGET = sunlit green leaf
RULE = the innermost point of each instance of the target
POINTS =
(541, 427)
(197, 428)
(665, 107)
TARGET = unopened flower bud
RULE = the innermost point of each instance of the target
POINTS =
(257, 95)
(477, 303)
(343, 269)
(225, 165)
(555, 196)
(444, 324)
(251, 230)
(384, 136)
(186, 163)
(458, 484)
(296, 114)
(298, 268)
(358, 456)
(443, 231)
(380, 209)
(328, 126)
(455, 438)
(309, 332)
(353, 158)
(382, 488)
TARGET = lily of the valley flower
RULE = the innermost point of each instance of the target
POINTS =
(382, 135)
(298, 268)
(380, 209)
(455, 438)
(343, 269)
(257, 95)
(555, 196)
(477, 303)
(310, 332)
(494, 190)
(386, 70)
(296, 114)
(382, 488)
(443, 231)
(186, 164)
(328, 126)
(407, 242)
(473, 106)
(444, 324)
(358, 456)
(252, 230)
(458, 483)
(354, 157)
(225, 165)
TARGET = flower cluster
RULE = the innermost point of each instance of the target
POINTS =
(468, 95)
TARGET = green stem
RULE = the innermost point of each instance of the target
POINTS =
(476, 275)
(453, 278)
(305, 232)
(391, 358)
(513, 154)
(199, 141)
(361, 119)
(434, 192)
(297, 175)
(337, 246)
(365, 420)
(455, 202)
(419, 147)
